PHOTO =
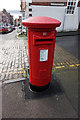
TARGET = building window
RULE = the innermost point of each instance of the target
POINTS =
(71, 6)
(30, 15)
(30, 9)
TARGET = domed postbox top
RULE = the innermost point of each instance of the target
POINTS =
(41, 22)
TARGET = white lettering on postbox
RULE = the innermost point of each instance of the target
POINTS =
(44, 55)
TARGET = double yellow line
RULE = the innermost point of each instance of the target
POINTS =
(22, 70)
(19, 71)
(72, 65)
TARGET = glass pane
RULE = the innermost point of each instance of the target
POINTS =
(72, 12)
(71, 3)
(68, 3)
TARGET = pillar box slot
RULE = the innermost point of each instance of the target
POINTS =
(43, 40)
(37, 40)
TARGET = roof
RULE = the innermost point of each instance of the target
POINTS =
(49, 0)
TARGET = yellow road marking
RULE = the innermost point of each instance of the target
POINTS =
(58, 63)
(20, 68)
(61, 63)
(77, 65)
(71, 65)
(60, 67)
(13, 69)
(15, 72)
(21, 72)
(67, 63)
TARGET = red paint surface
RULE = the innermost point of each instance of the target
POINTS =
(41, 22)
(40, 71)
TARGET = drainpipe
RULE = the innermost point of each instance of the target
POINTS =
(64, 19)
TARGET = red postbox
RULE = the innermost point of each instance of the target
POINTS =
(41, 33)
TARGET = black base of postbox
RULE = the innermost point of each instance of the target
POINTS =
(39, 88)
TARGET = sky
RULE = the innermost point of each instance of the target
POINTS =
(10, 5)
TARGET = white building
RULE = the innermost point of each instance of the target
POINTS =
(67, 11)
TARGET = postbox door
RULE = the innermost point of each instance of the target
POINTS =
(41, 56)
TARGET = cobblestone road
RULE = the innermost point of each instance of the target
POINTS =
(13, 56)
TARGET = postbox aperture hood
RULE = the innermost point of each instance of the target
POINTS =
(41, 22)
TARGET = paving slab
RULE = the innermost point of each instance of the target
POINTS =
(68, 71)
(14, 105)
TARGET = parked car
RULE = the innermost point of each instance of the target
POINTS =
(3, 29)
(9, 29)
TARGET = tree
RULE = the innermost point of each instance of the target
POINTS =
(4, 10)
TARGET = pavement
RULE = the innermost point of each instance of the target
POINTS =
(13, 57)
(70, 44)
(13, 63)
(68, 71)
